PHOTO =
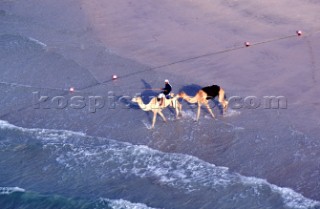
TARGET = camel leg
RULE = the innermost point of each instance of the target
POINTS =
(177, 112)
(154, 118)
(177, 106)
(162, 116)
(178, 109)
(209, 109)
(198, 113)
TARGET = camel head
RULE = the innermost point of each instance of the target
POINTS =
(136, 99)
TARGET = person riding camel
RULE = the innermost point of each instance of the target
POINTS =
(165, 92)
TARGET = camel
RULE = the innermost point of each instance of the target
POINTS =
(202, 97)
(156, 108)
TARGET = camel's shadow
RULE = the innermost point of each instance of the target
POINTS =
(148, 92)
(146, 95)
(192, 89)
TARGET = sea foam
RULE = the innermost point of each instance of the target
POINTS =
(10, 190)
(179, 171)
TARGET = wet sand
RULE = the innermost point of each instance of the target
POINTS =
(89, 41)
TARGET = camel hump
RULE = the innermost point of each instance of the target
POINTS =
(180, 94)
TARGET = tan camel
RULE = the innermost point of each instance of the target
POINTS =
(156, 108)
(202, 97)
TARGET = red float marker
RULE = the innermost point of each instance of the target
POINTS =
(299, 32)
(71, 89)
(247, 44)
(114, 77)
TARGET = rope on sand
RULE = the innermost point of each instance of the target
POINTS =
(71, 90)
(246, 45)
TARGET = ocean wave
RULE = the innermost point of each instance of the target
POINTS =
(10, 190)
(291, 198)
(124, 204)
(182, 172)
(37, 42)
(43, 134)
(17, 42)
(52, 201)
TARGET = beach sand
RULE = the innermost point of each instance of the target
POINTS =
(83, 43)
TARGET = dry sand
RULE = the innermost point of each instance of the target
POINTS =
(159, 32)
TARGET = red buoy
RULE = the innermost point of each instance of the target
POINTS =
(247, 44)
(299, 32)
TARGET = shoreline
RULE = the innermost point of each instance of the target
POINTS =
(281, 141)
